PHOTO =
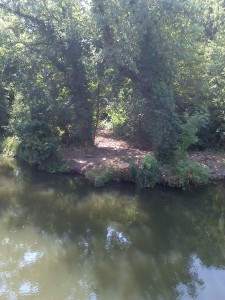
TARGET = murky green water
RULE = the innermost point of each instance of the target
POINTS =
(61, 239)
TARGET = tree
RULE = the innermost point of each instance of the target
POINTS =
(144, 63)
(147, 42)
(51, 38)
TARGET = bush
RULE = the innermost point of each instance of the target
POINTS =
(56, 166)
(149, 173)
(11, 145)
(101, 177)
(182, 172)
(189, 133)
(213, 136)
(186, 174)
(39, 151)
(42, 152)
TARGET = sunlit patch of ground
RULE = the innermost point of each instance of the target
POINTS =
(107, 152)
(111, 152)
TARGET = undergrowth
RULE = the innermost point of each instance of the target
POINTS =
(149, 173)
(186, 174)
(10, 146)
(44, 153)
(101, 177)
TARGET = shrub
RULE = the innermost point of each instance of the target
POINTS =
(185, 174)
(149, 173)
(101, 177)
(11, 145)
(39, 151)
(189, 133)
(213, 136)
(182, 172)
(56, 166)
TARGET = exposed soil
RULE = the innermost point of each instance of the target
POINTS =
(107, 152)
(112, 152)
(214, 160)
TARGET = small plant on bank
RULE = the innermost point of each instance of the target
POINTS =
(56, 166)
(149, 173)
(189, 137)
(185, 174)
(11, 145)
(101, 177)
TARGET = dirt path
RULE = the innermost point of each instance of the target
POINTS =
(112, 152)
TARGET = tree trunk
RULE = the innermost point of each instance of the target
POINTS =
(97, 112)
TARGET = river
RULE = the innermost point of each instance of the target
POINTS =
(62, 239)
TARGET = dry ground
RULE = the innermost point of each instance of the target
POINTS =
(107, 152)
(112, 152)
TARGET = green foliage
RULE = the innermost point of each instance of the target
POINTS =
(100, 178)
(3, 109)
(11, 146)
(117, 118)
(43, 152)
(164, 124)
(31, 127)
(46, 64)
(40, 151)
(149, 173)
(56, 166)
(189, 136)
(138, 64)
(1, 142)
(185, 174)
(213, 135)
(151, 65)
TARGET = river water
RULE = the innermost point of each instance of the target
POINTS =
(62, 239)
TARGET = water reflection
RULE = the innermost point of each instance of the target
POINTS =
(27, 288)
(116, 237)
(61, 239)
(30, 258)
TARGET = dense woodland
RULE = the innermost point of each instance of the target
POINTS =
(151, 70)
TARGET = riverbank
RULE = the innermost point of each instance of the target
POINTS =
(111, 159)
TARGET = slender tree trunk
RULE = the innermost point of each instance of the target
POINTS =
(98, 104)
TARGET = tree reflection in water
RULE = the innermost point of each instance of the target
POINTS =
(110, 243)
